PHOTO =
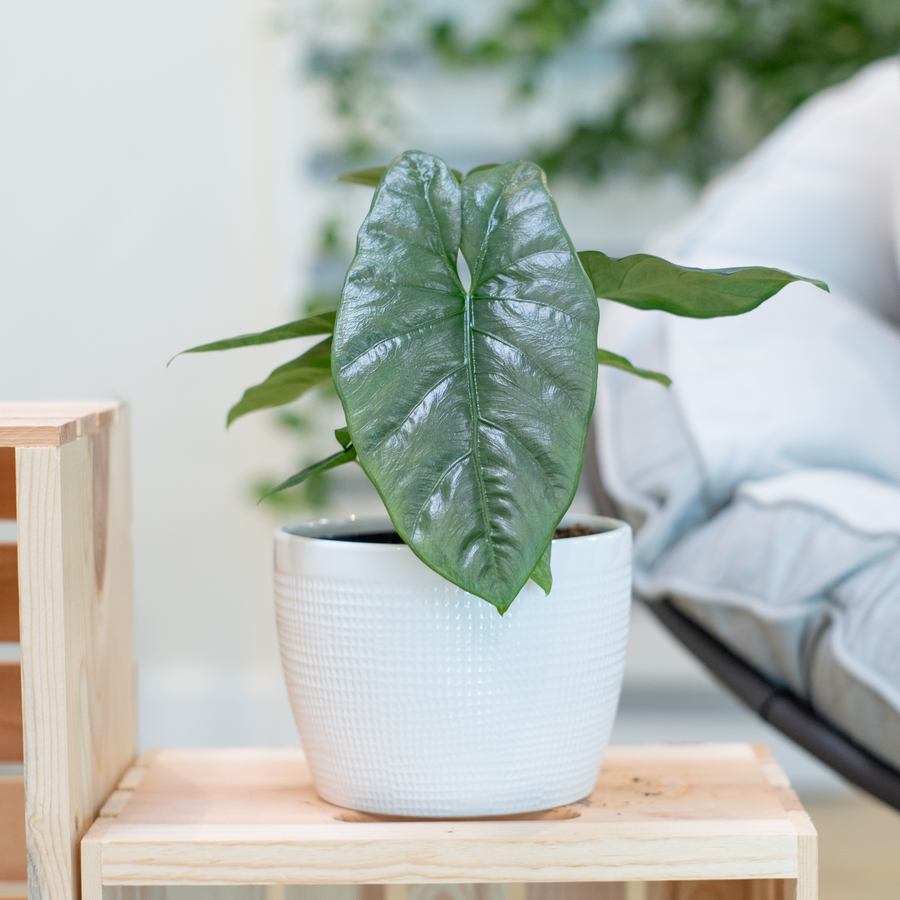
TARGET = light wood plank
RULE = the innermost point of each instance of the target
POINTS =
(217, 854)
(49, 432)
(74, 532)
(115, 803)
(806, 886)
(7, 483)
(9, 592)
(132, 778)
(657, 814)
(13, 890)
(13, 863)
(11, 742)
(91, 884)
(52, 424)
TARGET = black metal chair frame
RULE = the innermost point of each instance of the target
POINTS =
(778, 706)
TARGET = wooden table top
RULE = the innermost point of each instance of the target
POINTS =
(658, 812)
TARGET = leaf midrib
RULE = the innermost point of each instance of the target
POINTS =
(469, 304)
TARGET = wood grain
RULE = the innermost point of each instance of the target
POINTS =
(9, 593)
(13, 862)
(699, 814)
(11, 742)
(76, 634)
(806, 886)
(46, 432)
(7, 483)
(52, 424)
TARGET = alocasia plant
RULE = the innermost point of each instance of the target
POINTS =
(468, 405)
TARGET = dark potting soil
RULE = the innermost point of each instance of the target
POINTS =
(391, 537)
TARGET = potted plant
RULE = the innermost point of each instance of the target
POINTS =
(418, 686)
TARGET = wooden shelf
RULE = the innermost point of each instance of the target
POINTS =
(658, 814)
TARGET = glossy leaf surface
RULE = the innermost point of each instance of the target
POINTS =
(648, 282)
(469, 410)
(287, 382)
(605, 358)
(323, 323)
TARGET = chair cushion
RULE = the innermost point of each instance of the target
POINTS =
(765, 484)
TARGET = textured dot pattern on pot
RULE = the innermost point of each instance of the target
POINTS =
(413, 697)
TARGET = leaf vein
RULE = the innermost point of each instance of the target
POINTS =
(399, 334)
(531, 362)
(385, 438)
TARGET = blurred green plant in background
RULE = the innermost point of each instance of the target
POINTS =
(701, 82)
(662, 87)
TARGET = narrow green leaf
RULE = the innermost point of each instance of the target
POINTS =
(648, 282)
(322, 323)
(343, 436)
(542, 576)
(287, 382)
(469, 409)
(366, 177)
(348, 454)
(605, 358)
(482, 168)
(372, 177)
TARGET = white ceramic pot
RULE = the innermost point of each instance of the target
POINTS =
(415, 698)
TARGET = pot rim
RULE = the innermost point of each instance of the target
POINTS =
(329, 531)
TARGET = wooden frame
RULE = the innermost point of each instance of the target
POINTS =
(715, 820)
(74, 583)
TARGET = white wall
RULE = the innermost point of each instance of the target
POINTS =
(152, 197)
(140, 176)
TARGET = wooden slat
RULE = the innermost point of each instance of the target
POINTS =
(7, 483)
(49, 432)
(52, 424)
(80, 724)
(806, 886)
(11, 745)
(13, 862)
(9, 593)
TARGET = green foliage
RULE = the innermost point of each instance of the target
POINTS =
(287, 382)
(648, 282)
(346, 455)
(704, 80)
(607, 358)
(322, 323)
(468, 407)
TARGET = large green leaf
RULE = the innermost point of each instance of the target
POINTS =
(648, 282)
(322, 323)
(469, 409)
(287, 382)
